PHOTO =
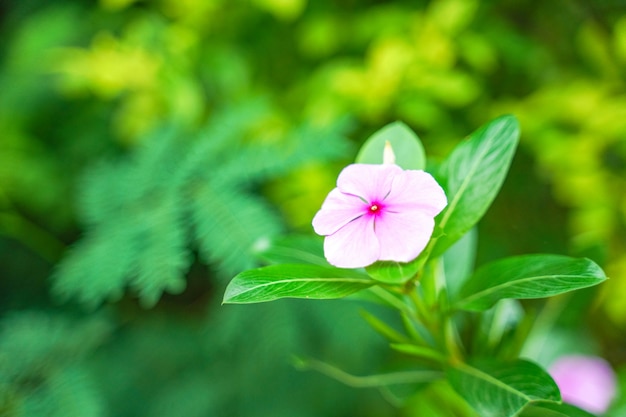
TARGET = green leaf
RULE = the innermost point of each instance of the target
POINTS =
(496, 389)
(438, 399)
(555, 410)
(295, 281)
(527, 276)
(406, 146)
(472, 176)
(392, 272)
(418, 351)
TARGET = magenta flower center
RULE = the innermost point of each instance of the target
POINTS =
(375, 208)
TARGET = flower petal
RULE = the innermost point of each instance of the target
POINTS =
(337, 210)
(585, 381)
(402, 236)
(354, 245)
(371, 182)
(414, 189)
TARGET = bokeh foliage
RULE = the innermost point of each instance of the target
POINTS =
(155, 145)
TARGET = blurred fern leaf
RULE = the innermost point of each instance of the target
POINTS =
(41, 372)
(228, 224)
(145, 214)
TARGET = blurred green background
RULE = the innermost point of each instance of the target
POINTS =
(148, 150)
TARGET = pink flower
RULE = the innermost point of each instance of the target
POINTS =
(585, 381)
(378, 213)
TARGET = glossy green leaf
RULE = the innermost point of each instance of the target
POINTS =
(472, 176)
(407, 147)
(496, 389)
(392, 272)
(294, 281)
(555, 410)
(527, 276)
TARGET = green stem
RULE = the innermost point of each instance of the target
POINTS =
(370, 381)
(452, 340)
(422, 311)
(385, 330)
(434, 313)
(384, 294)
(411, 326)
(431, 319)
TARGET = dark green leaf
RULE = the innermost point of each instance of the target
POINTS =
(295, 281)
(527, 276)
(497, 389)
(472, 176)
(406, 146)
